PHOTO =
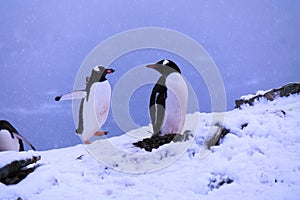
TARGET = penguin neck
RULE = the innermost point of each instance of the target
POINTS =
(162, 80)
(94, 79)
(103, 78)
(90, 84)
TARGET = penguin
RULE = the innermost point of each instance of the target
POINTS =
(168, 100)
(11, 139)
(94, 105)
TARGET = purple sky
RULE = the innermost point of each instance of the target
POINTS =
(255, 45)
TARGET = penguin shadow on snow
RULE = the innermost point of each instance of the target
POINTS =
(94, 104)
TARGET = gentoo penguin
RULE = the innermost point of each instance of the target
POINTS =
(94, 105)
(168, 101)
(10, 139)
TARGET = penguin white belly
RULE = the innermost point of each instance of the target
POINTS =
(176, 104)
(7, 143)
(96, 109)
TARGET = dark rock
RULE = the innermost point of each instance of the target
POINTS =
(284, 91)
(218, 181)
(16, 171)
(244, 125)
(215, 138)
(156, 141)
(222, 135)
(191, 153)
(79, 157)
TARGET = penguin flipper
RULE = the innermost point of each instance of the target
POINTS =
(78, 94)
(157, 107)
(17, 135)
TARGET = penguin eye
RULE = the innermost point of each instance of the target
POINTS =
(109, 71)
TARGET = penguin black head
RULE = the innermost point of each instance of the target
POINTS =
(99, 73)
(165, 67)
(5, 125)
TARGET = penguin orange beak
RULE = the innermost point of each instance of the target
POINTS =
(151, 66)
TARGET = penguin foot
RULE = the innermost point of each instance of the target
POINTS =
(87, 142)
(100, 133)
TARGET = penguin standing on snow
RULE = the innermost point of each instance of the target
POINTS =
(168, 101)
(94, 105)
(10, 139)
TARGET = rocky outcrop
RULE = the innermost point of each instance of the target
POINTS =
(16, 171)
(284, 91)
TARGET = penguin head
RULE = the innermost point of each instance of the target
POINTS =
(99, 73)
(98, 68)
(5, 125)
(165, 67)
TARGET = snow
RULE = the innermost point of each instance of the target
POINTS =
(260, 154)
(249, 96)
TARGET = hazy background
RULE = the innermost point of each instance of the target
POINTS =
(255, 45)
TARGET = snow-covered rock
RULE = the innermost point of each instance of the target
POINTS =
(14, 166)
(259, 158)
(284, 91)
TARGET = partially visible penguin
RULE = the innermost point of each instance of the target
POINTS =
(94, 105)
(168, 101)
(10, 139)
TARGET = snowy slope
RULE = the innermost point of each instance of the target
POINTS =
(258, 159)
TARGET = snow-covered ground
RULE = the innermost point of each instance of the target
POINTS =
(258, 159)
